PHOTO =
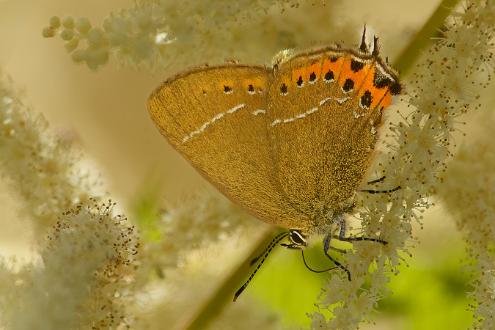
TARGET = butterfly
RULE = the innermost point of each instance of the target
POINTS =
(291, 143)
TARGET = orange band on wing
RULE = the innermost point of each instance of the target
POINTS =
(386, 100)
(357, 76)
(333, 64)
(313, 68)
(253, 84)
(380, 96)
(299, 73)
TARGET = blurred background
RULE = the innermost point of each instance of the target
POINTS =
(103, 113)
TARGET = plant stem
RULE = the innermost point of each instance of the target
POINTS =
(224, 293)
(423, 37)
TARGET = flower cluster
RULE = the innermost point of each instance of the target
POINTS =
(42, 169)
(446, 84)
(182, 229)
(88, 263)
(146, 34)
(469, 193)
(83, 280)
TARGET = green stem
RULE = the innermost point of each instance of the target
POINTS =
(423, 38)
(224, 293)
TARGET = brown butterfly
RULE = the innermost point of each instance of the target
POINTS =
(291, 143)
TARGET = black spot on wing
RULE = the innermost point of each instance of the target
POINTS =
(356, 65)
(300, 81)
(348, 85)
(329, 76)
(283, 89)
(366, 99)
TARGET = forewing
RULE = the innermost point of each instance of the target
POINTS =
(216, 117)
(321, 138)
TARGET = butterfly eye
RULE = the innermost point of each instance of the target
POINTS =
(297, 238)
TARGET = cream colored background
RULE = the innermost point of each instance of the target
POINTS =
(104, 112)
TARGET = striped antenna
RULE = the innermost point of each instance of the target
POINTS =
(269, 249)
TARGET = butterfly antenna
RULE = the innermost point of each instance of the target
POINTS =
(311, 269)
(376, 48)
(363, 46)
(270, 246)
(274, 243)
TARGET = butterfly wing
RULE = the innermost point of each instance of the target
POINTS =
(320, 135)
(216, 118)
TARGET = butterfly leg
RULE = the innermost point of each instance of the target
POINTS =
(341, 236)
(359, 238)
(326, 247)
(298, 247)
(341, 251)
(342, 225)
(377, 180)
(372, 191)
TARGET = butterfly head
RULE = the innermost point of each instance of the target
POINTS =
(297, 239)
